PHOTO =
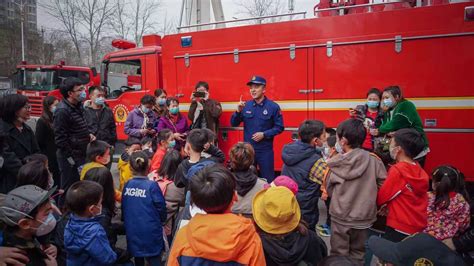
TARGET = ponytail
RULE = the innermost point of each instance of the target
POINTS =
(139, 163)
(447, 179)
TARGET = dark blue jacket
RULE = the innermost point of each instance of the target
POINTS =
(86, 243)
(263, 117)
(144, 212)
(298, 158)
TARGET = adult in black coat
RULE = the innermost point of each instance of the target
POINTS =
(9, 166)
(70, 132)
(45, 136)
(99, 117)
(20, 140)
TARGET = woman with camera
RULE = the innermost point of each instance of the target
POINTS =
(204, 112)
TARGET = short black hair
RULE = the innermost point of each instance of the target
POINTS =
(394, 90)
(96, 88)
(212, 188)
(163, 135)
(202, 84)
(310, 129)
(410, 140)
(68, 85)
(103, 176)
(170, 164)
(146, 139)
(11, 104)
(147, 99)
(353, 130)
(158, 92)
(197, 138)
(374, 91)
(33, 173)
(139, 163)
(96, 148)
(332, 141)
(331, 131)
(211, 136)
(82, 194)
(132, 141)
(170, 100)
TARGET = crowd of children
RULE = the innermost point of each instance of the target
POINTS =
(189, 207)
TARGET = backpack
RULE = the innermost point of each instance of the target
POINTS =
(198, 167)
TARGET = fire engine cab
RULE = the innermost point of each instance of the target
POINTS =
(318, 68)
(39, 81)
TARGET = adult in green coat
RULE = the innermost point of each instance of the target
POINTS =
(401, 113)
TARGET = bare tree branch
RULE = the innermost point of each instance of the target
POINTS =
(260, 8)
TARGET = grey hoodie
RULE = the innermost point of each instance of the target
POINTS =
(352, 184)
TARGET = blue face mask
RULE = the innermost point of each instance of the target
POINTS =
(145, 109)
(172, 143)
(82, 96)
(372, 104)
(174, 110)
(388, 102)
(161, 101)
(99, 101)
(53, 109)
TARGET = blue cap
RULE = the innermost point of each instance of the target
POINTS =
(257, 80)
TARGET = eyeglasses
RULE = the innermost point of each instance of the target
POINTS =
(27, 107)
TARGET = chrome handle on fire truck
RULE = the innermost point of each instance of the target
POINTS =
(311, 91)
(179, 95)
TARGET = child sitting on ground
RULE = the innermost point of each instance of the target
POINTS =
(165, 139)
(352, 183)
(404, 193)
(144, 212)
(26, 211)
(85, 240)
(97, 155)
(147, 146)
(448, 210)
(247, 182)
(211, 151)
(218, 236)
(278, 216)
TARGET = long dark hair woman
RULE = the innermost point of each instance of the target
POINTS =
(20, 140)
(45, 136)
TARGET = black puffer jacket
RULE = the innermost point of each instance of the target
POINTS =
(101, 123)
(70, 130)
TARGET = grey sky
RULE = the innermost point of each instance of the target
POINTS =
(172, 10)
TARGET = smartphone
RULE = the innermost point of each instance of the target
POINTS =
(199, 94)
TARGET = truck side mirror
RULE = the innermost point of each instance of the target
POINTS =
(94, 71)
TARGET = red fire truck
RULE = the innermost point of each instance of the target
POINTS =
(318, 68)
(39, 81)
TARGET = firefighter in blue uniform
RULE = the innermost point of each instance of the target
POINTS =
(262, 122)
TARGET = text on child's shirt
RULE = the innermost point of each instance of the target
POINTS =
(135, 192)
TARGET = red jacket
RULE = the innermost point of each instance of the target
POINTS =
(157, 158)
(407, 211)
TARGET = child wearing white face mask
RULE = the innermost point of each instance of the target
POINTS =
(85, 240)
(27, 214)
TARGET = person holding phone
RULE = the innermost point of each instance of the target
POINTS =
(204, 112)
(262, 120)
(174, 121)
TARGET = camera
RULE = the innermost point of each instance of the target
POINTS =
(199, 94)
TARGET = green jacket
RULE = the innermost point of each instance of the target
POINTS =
(403, 116)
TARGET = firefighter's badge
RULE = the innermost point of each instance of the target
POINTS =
(120, 113)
